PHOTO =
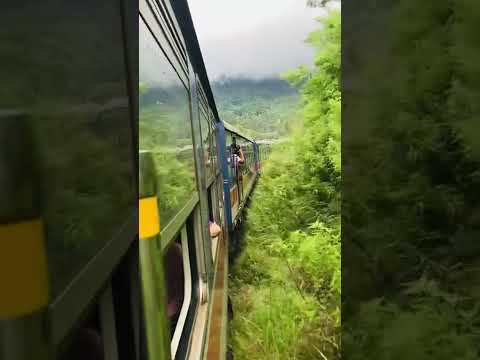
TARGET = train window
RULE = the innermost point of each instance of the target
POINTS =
(182, 280)
(210, 153)
(249, 158)
(205, 128)
(252, 157)
(164, 34)
(213, 203)
(213, 148)
(228, 144)
(80, 119)
(210, 204)
(220, 200)
(216, 213)
(245, 167)
(213, 213)
(165, 126)
(217, 187)
(175, 280)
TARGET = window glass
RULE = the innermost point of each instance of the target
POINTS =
(228, 144)
(244, 146)
(213, 200)
(73, 94)
(220, 198)
(165, 126)
(206, 143)
(247, 157)
(252, 157)
(211, 216)
(214, 148)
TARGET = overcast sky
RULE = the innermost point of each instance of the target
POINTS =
(255, 38)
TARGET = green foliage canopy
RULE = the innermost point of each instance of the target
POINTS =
(287, 280)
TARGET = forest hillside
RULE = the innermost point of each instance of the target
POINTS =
(286, 283)
(262, 108)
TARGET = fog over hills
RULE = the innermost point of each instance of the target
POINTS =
(246, 46)
(262, 108)
(252, 38)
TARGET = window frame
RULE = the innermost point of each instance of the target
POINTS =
(175, 223)
(187, 294)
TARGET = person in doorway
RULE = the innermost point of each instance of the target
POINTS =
(236, 150)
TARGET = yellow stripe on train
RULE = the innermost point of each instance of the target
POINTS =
(23, 268)
(149, 219)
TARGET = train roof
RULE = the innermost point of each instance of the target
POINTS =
(231, 128)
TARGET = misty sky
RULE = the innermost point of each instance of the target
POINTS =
(255, 38)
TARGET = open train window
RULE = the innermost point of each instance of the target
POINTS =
(181, 276)
(221, 200)
(214, 148)
(214, 213)
(211, 216)
(214, 200)
(176, 277)
(228, 144)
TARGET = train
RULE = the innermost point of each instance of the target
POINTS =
(184, 266)
(119, 200)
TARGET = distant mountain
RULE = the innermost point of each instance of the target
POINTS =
(262, 108)
(243, 88)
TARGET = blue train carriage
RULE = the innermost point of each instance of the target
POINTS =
(241, 177)
(263, 152)
(183, 259)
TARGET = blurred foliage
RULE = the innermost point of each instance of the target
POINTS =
(411, 202)
(286, 285)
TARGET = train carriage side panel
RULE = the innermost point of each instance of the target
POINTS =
(243, 178)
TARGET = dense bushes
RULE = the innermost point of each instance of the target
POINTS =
(286, 286)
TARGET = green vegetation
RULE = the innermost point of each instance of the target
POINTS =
(165, 130)
(262, 108)
(286, 283)
(412, 225)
